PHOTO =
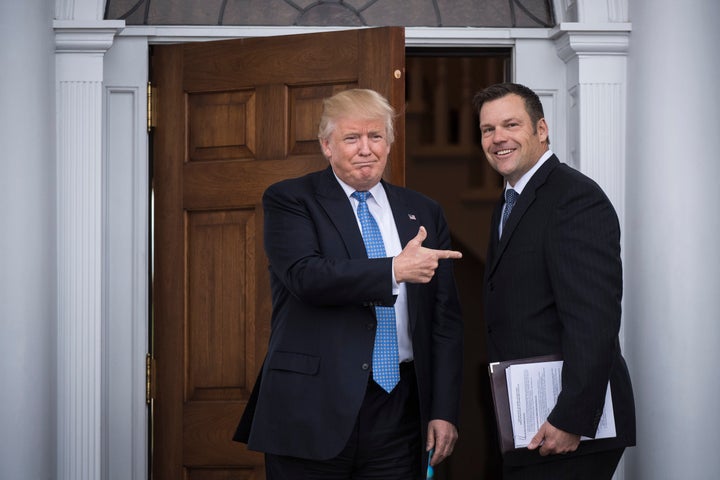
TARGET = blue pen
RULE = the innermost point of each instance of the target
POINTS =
(430, 471)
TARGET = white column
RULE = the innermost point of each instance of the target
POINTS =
(672, 238)
(27, 242)
(79, 73)
(596, 58)
(596, 86)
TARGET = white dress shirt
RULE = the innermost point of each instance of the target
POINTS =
(379, 207)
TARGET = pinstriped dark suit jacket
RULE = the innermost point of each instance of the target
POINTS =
(307, 397)
(553, 284)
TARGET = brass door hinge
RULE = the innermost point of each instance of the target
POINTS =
(149, 377)
(151, 106)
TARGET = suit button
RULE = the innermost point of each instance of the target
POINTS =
(370, 326)
(492, 286)
(365, 366)
(489, 329)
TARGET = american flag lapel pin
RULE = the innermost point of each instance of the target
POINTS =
(411, 216)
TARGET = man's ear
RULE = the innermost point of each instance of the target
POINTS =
(325, 147)
(542, 130)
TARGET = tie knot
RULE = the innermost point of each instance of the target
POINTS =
(361, 196)
(511, 196)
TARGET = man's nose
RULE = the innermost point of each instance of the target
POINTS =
(364, 145)
(499, 135)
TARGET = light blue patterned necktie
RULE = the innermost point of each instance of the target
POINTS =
(511, 197)
(386, 367)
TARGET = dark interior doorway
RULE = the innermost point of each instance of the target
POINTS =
(444, 160)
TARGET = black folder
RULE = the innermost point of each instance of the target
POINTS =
(501, 402)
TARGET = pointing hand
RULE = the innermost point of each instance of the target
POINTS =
(417, 264)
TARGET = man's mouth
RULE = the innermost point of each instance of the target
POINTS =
(366, 163)
(501, 153)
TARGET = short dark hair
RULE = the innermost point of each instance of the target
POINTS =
(533, 106)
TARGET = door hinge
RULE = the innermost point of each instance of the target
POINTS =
(149, 376)
(151, 106)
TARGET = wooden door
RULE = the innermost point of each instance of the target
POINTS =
(233, 117)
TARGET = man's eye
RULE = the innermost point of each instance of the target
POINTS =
(350, 139)
(486, 131)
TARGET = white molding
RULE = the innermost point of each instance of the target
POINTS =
(593, 27)
(414, 36)
(85, 36)
(79, 279)
(470, 36)
(550, 103)
(590, 41)
(596, 88)
(125, 293)
(127, 260)
(601, 137)
(79, 52)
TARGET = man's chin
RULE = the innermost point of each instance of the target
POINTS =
(366, 183)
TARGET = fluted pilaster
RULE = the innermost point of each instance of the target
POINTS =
(79, 72)
(597, 111)
(79, 280)
(597, 84)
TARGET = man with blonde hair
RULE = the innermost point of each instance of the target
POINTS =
(363, 371)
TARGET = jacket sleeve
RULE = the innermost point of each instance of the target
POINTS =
(585, 271)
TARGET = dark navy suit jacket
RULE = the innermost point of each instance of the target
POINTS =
(553, 284)
(308, 394)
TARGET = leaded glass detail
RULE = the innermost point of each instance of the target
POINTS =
(351, 13)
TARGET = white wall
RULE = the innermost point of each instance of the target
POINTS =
(27, 242)
(672, 264)
(672, 236)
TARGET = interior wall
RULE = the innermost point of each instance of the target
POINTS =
(672, 237)
(28, 288)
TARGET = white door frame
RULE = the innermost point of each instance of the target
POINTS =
(579, 70)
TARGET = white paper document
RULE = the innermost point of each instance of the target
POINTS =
(533, 389)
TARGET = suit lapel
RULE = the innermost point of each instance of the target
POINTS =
(407, 222)
(494, 240)
(524, 201)
(332, 197)
(405, 217)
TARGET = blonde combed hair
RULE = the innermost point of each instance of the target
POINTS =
(359, 103)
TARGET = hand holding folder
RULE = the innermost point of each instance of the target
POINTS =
(524, 392)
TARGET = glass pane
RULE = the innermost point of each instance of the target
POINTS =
(351, 13)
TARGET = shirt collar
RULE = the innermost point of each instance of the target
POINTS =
(520, 184)
(377, 191)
